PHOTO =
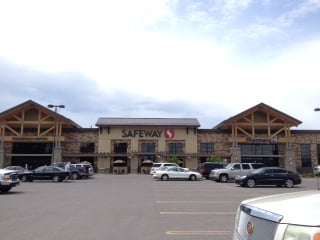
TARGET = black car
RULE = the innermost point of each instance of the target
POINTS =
(269, 176)
(53, 173)
(206, 167)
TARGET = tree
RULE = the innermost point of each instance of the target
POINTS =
(214, 159)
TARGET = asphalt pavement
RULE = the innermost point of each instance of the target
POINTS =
(122, 207)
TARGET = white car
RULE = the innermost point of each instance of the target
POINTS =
(156, 166)
(167, 173)
(287, 216)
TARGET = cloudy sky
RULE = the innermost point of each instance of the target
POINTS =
(205, 59)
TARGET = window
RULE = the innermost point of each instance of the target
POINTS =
(87, 147)
(120, 148)
(206, 147)
(305, 155)
(175, 148)
(318, 153)
(245, 166)
(148, 147)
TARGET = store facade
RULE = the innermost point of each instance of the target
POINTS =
(33, 135)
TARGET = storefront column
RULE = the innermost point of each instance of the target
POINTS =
(1, 157)
(57, 155)
(133, 164)
(289, 161)
(235, 155)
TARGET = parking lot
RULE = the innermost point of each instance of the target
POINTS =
(126, 207)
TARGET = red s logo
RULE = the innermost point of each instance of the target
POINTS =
(169, 133)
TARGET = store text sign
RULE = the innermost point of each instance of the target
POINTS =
(148, 133)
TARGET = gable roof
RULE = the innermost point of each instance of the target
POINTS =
(178, 122)
(291, 121)
(31, 104)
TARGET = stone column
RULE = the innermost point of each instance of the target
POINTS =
(1, 157)
(289, 161)
(235, 155)
(57, 154)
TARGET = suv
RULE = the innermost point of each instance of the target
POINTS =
(232, 170)
(156, 166)
(85, 170)
(278, 217)
(8, 180)
(78, 170)
(206, 167)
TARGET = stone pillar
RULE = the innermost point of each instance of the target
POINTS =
(57, 154)
(1, 157)
(235, 155)
(289, 161)
(133, 164)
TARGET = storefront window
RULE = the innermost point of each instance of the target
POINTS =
(318, 153)
(206, 147)
(148, 147)
(175, 148)
(87, 147)
(305, 155)
(120, 148)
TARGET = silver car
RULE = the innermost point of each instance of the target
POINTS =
(287, 216)
(167, 173)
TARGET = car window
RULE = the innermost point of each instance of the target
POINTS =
(236, 166)
(245, 166)
(276, 170)
(156, 165)
(268, 171)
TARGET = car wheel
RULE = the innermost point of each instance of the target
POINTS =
(56, 178)
(223, 178)
(5, 189)
(165, 177)
(193, 177)
(289, 183)
(24, 178)
(74, 176)
(251, 183)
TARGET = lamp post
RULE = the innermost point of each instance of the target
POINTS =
(56, 142)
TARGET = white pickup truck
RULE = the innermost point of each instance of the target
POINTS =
(8, 180)
(232, 170)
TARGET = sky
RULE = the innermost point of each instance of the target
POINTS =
(204, 59)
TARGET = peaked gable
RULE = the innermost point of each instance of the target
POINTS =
(31, 111)
(261, 114)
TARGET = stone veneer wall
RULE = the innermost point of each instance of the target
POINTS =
(75, 138)
(220, 141)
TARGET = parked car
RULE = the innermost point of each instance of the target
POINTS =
(156, 166)
(85, 170)
(56, 174)
(232, 170)
(21, 171)
(206, 167)
(77, 171)
(269, 176)
(286, 216)
(166, 173)
(8, 180)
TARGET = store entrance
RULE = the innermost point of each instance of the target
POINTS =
(261, 153)
(31, 155)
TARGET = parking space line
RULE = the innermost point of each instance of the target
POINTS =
(215, 202)
(197, 213)
(175, 233)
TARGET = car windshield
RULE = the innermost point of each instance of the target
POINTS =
(229, 166)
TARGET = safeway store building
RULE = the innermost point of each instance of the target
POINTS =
(33, 135)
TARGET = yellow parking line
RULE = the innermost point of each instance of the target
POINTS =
(197, 213)
(197, 233)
